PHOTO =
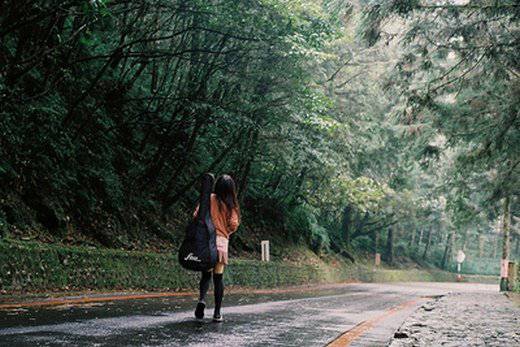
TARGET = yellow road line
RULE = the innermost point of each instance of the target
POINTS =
(87, 300)
(352, 334)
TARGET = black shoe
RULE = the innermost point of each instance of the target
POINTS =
(218, 318)
(199, 311)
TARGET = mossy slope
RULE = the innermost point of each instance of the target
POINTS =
(32, 266)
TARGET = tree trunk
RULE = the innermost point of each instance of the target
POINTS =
(517, 247)
(169, 201)
(495, 245)
(505, 243)
(251, 154)
(182, 161)
(448, 249)
(376, 241)
(465, 240)
(390, 246)
(420, 237)
(442, 236)
(411, 243)
(453, 244)
(243, 181)
(427, 246)
(346, 224)
(480, 245)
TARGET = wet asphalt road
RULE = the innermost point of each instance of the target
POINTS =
(304, 318)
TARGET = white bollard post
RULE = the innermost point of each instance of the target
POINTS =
(265, 250)
(460, 259)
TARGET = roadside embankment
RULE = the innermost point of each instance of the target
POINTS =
(34, 267)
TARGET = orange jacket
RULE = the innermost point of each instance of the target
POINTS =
(225, 223)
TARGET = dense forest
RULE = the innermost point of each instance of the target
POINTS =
(351, 127)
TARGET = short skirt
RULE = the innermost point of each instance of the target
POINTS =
(222, 249)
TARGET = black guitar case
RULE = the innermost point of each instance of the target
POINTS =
(198, 251)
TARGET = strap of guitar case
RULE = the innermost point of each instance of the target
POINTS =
(204, 214)
(208, 181)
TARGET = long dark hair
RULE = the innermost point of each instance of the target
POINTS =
(226, 192)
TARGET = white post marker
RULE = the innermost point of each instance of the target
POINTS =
(460, 259)
(378, 259)
(265, 250)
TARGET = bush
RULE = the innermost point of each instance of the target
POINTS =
(32, 266)
(303, 224)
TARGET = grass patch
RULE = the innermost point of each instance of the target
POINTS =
(33, 266)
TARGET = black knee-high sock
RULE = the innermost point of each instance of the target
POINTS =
(218, 283)
(204, 285)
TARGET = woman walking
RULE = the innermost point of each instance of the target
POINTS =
(225, 214)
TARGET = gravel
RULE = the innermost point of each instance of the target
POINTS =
(462, 319)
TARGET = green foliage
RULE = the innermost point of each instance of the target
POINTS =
(112, 115)
(3, 224)
(111, 111)
(365, 193)
(458, 84)
(32, 266)
(303, 223)
(484, 266)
